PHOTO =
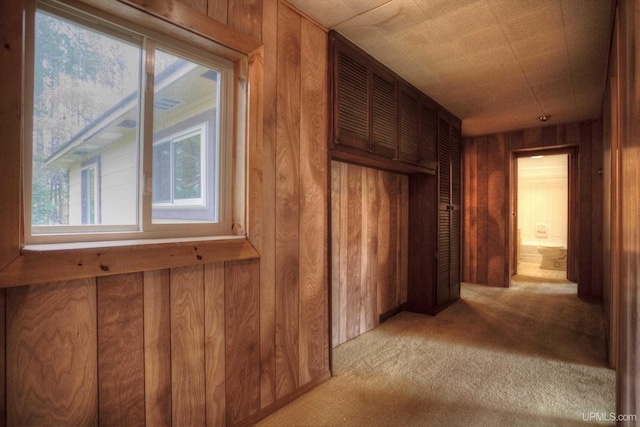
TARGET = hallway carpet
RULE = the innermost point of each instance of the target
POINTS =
(530, 355)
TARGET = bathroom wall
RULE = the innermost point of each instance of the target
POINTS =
(542, 203)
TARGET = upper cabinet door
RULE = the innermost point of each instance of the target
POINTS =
(351, 97)
(384, 113)
(409, 132)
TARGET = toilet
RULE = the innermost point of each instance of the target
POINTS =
(553, 257)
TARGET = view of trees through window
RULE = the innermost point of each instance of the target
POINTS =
(79, 74)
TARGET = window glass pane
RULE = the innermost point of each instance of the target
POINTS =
(186, 159)
(185, 112)
(162, 176)
(85, 104)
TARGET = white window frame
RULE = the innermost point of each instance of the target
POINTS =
(226, 113)
(95, 166)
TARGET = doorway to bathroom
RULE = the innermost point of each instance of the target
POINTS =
(542, 207)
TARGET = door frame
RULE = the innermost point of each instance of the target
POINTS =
(573, 226)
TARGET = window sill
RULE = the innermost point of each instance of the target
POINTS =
(54, 263)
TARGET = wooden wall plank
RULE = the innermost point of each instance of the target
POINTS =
(496, 204)
(214, 341)
(121, 349)
(391, 184)
(313, 203)
(11, 34)
(287, 202)
(586, 220)
(470, 211)
(157, 347)
(371, 201)
(597, 205)
(198, 5)
(51, 360)
(242, 339)
(384, 244)
(268, 219)
(245, 16)
(403, 241)
(335, 253)
(3, 364)
(482, 271)
(217, 10)
(354, 250)
(343, 231)
(187, 346)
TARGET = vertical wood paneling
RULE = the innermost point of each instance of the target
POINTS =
(11, 54)
(486, 182)
(370, 259)
(217, 10)
(242, 335)
(245, 16)
(371, 206)
(482, 270)
(403, 240)
(199, 5)
(187, 345)
(585, 222)
(597, 205)
(391, 186)
(121, 349)
(497, 198)
(343, 230)
(51, 354)
(470, 227)
(385, 255)
(157, 347)
(287, 202)
(214, 341)
(336, 319)
(268, 219)
(354, 250)
(3, 365)
(313, 211)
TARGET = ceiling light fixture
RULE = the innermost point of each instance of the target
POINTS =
(543, 118)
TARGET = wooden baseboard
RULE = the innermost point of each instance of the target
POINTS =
(390, 313)
(280, 403)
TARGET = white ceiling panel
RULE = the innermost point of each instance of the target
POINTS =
(496, 64)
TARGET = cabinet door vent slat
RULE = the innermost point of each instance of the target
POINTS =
(428, 147)
(408, 123)
(352, 97)
(384, 112)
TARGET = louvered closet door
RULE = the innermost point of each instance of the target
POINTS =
(444, 216)
(384, 112)
(352, 97)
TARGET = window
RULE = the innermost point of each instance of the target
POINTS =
(90, 193)
(156, 113)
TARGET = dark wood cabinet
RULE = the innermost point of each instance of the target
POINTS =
(365, 102)
(417, 128)
(435, 215)
(379, 120)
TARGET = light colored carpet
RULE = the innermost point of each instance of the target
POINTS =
(530, 355)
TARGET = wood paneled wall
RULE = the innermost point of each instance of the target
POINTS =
(214, 344)
(627, 232)
(486, 162)
(369, 252)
